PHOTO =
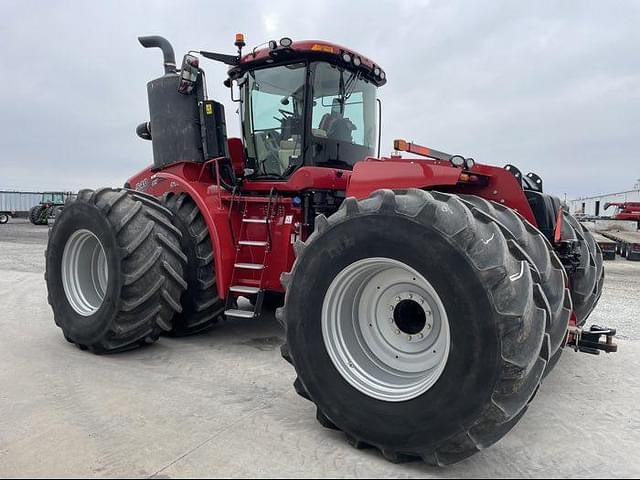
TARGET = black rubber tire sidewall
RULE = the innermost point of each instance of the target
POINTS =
(462, 393)
(84, 330)
(189, 247)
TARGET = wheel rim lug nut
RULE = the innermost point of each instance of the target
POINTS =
(409, 338)
(397, 332)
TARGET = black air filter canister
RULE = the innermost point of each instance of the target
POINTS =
(175, 123)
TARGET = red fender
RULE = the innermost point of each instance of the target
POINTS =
(184, 177)
(397, 173)
(371, 175)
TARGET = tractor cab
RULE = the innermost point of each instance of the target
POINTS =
(52, 198)
(306, 103)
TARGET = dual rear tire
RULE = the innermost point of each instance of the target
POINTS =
(586, 276)
(422, 323)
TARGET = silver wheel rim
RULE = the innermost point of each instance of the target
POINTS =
(385, 329)
(85, 272)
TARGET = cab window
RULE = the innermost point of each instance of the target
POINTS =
(273, 114)
(344, 120)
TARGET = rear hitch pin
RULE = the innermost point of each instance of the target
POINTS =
(589, 341)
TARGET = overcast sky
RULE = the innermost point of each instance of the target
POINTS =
(550, 86)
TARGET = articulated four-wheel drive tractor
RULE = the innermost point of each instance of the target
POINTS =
(424, 296)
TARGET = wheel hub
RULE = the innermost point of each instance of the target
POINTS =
(385, 329)
(85, 272)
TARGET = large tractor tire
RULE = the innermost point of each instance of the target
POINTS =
(35, 213)
(4, 218)
(415, 325)
(45, 213)
(586, 279)
(114, 270)
(54, 214)
(547, 266)
(202, 307)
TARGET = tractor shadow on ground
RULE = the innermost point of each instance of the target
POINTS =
(262, 333)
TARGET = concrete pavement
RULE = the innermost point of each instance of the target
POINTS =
(222, 404)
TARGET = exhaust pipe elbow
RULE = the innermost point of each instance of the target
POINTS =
(156, 41)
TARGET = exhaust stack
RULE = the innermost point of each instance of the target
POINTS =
(169, 57)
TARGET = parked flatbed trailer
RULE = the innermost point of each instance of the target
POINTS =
(628, 243)
(607, 246)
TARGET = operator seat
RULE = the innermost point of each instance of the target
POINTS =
(336, 125)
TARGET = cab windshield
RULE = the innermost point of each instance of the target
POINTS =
(274, 118)
(53, 198)
(338, 129)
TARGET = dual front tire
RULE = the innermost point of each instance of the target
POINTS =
(114, 270)
(124, 267)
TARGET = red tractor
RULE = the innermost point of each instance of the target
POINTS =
(625, 210)
(424, 295)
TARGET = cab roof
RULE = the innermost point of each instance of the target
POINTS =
(276, 52)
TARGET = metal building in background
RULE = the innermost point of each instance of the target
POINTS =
(594, 206)
(19, 202)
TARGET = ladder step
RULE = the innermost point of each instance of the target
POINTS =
(250, 266)
(245, 289)
(255, 220)
(253, 243)
(239, 313)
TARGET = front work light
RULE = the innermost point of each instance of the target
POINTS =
(457, 161)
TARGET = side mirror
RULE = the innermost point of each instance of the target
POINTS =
(189, 74)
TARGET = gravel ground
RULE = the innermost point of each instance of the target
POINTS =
(222, 404)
